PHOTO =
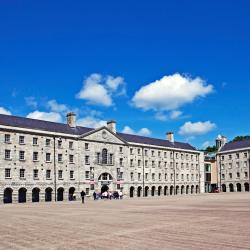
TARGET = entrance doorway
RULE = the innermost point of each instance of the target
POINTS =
(104, 188)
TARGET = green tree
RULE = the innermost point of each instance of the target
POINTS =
(240, 138)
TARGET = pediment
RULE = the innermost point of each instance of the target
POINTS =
(103, 135)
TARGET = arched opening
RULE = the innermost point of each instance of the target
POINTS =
(246, 185)
(104, 188)
(35, 194)
(48, 194)
(231, 187)
(153, 191)
(159, 190)
(187, 189)
(104, 156)
(22, 195)
(146, 191)
(131, 192)
(177, 189)
(139, 189)
(192, 189)
(60, 192)
(182, 189)
(71, 193)
(238, 186)
(166, 190)
(224, 188)
(197, 189)
(7, 195)
(171, 190)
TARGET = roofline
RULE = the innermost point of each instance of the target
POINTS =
(233, 150)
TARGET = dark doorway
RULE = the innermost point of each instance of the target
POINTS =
(131, 192)
(197, 189)
(139, 191)
(22, 195)
(48, 194)
(238, 186)
(146, 191)
(165, 190)
(171, 190)
(246, 187)
(224, 188)
(60, 192)
(71, 193)
(104, 188)
(231, 187)
(182, 189)
(187, 189)
(35, 194)
(159, 190)
(7, 196)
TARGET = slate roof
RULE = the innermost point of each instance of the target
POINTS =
(236, 145)
(22, 122)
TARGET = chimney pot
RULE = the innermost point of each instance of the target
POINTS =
(112, 125)
(71, 119)
(170, 136)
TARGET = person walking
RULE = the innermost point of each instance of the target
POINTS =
(83, 195)
(94, 195)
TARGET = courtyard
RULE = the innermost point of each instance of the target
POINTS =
(205, 221)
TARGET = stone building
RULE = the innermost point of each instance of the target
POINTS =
(46, 161)
(211, 172)
(233, 161)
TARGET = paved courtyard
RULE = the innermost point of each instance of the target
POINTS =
(209, 221)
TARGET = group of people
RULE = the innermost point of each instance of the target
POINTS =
(108, 195)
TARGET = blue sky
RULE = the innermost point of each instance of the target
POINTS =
(154, 66)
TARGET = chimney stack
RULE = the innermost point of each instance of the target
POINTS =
(112, 126)
(220, 141)
(170, 136)
(71, 119)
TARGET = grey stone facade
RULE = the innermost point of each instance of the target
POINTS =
(38, 165)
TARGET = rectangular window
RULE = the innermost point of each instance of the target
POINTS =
(222, 176)
(238, 175)
(87, 191)
(139, 176)
(7, 173)
(60, 174)
(59, 158)
(237, 164)
(86, 146)
(35, 173)
(48, 157)
(70, 145)
(131, 176)
(159, 164)
(131, 162)
(121, 162)
(21, 156)
(187, 177)
(35, 156)
(47, 142)
(245, 155)
(7, 154)
(182, 177)
(159, 153)
(139, 151)
(177, 177)
(176, 155)
(48, 174)
(87, 175)
(86, 159)
(35, 140)
(165, 154)
(21, 139)
(139, 163)
(71, 158)
(120, 149)
(146, 163)
(22, 173)
(166, 177)
(159, 176)
(230, 175)
(92, 173)
(71, 174)
(222, 166)
(172, 177)
(146, 176)
(230, 157)
(59, 144)
(7, 138)
(111, 159)
(153, 164)
(165, 164)
(237, 156)
(146, 152)
(153, 176)
(131, 151)
(246, 174)
(192, 177)
(153, 153)
(245, 164)
(92, 186)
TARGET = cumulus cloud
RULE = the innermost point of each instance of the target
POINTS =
(206, 144)
(175, 114)
(172, 115)
(91, 122)
(170, 93)
(196, 128)
(99, 90)
(56, 107)
(46, 116)
(31, 101)
(142, 131)
(4, 111)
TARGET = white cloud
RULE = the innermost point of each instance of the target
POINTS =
(98, 89)
(4, 111)
(206, 144)
(47, 116)
(142, 131)
(196, 128)
(56, 107)
(31, 101)
(170, 93)
(91, 122)
(175, 114)
(172, 115)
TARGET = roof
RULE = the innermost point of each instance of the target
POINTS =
(236, 145)
(54, 127)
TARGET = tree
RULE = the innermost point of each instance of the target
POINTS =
(211, 149)
(240, 138)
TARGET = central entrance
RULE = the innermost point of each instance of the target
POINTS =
(105, 181)
(104, 188)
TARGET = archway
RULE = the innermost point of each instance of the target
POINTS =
(238, 187)
(159, 190)
(71, 193)
(246, 185)
(139, 189)
(60, 192)
(177, 189)
(197, 189)
(22, 195)
(231, 187)
(171, 190)
(35, 194)
(187, 189)
(166, 190)
(48, 194)
(192, 189)
(146, 191)
(7, 195)
(131, 192)
(104, 188)
(153, 191)
(182, 189)
(224, 188)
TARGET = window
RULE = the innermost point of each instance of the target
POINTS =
(59, 144)
(230, 175)
(230, 157)
(35, 156)
(60, 174)
(153, 164)
(197, 177)
(139, 163)
(92, 175)
(35, 173)
(197, 166)
(71, 174)
(222, 166)
(237, 164)
(7, 173)
(70, 145)
(98, 158)
(7, 154)
(159, 176)
(182, 165)
(22, 173)
(237, 156)
(118, 173)
(192, 177)
(146, 152)
(131, 176)
(146, 176)
(71, 158)
(118, 186)
(153, 153)
(165, 164)
(182, 177)
(87, 175)
(171, 165)
(192, 157)
(111, 159)
(192, 166)
(165, 154)
(246, 174)
(187, 157)
(21, 139)
(177, 155)
(146, 163)
(86, 146)
(48, 174)
(92, 186)
(172, 177)
(245, 155)
(159, 164)
(177, 177)
(139, 176)
(59, 157)
(245, 164)
(35, 140)
(47, 142)
(238, 175)
(187, 166)
(222, 157)
(187, 177)
(230, 165)
(166, 176)
(47, 157)
(182, 157)
(120, 149)
(159, 153)
(177, 165)
(21, 156)
(153, 176)
(104, 156)
(86, 159)
(121, 162)
(87, 191)
(139, 151)
(7, 138)
(222, 176)
(131, 151)
(131, 162)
